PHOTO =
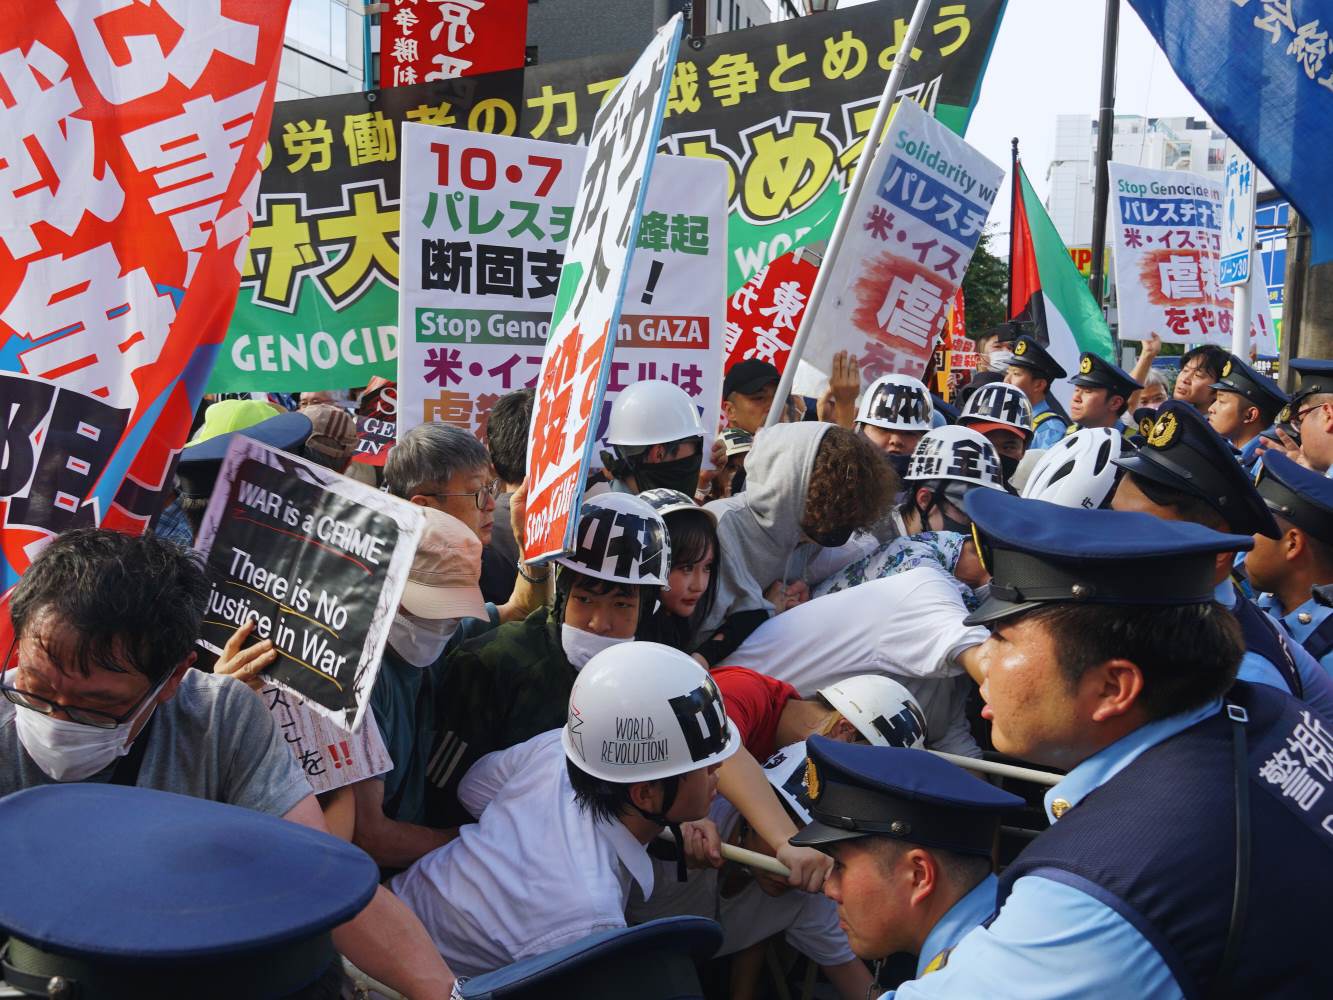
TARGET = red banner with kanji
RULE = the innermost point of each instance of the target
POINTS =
(764, 314)
(425, 40)
(130, 145)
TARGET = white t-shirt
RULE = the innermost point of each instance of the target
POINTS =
(908, 626)
(533, 874)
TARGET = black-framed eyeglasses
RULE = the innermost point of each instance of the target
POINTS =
(1299, 416)
(488, 492)
(83, 716)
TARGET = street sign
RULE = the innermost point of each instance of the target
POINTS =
(1237, 219)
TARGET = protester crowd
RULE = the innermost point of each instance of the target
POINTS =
(755, 642)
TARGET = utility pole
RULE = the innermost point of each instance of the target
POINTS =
(1105, 137)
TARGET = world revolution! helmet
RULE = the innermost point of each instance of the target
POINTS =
(957, 454)
(896, 403)
(622, 539)
(642, 711)
(1079, 470)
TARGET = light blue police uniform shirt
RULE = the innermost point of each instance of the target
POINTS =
(1249, 454)
(1048, 432)
(1052, 940)
(1318, 685)
(961, 919)
(1298, 630)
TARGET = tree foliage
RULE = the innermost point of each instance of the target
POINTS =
(985, 289)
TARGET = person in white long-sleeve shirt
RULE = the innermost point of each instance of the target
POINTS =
(564, 818)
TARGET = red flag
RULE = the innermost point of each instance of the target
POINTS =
(444, 39)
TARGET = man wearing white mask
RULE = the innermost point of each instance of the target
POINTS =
(510, 684)
(98, 685)
(441, 592)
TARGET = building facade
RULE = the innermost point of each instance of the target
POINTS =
(323, 51)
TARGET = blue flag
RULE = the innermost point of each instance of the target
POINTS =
(1263, 70)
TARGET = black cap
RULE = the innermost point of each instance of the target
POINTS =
(1316, 377)
(1259, 389)
(749, 377)
(910, 795)
(1031, 355)
(1296, 494)
(1095, 372)
(1042, 553)
(199, 465)
(1183, 452)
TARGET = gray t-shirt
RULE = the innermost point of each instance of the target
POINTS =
(214, 740)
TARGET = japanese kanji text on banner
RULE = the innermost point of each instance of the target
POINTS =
(444, 39)
(486, 220)
(920, 217)
(318, 562)
(1167, 235)
(130, 140)
(764, 314)
(576, 364)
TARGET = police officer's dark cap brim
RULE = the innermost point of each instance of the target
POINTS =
(199, 465)
(1297, 494)
(1036, 366)
(1040, 553)
(652, 961)
(1316, 377)
(137, 888)
(817, 834)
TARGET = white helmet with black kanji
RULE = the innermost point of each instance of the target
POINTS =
(896, 403)
(958, 454)
(622, 539)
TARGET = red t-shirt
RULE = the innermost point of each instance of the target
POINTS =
(754, 704)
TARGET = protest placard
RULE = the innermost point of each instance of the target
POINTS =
(330, 756)
(784, 107)
(764, 314)
(486, 220)
(129, 167)
(607, 215)
(1167, 234)
(911, 236)
(444, 39)
(318, 561)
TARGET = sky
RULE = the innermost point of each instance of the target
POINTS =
(1046, 62)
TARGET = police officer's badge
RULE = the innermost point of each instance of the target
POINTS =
(1164, 432)
(812, 780)
(1145, 426)
(1226, 369)
(1284, 416)
(1021, 348)
(1085, 366)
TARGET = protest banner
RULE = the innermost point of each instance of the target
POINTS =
(1167, 235)
(912, 234)
(607, 217)
(376, 422)
(444, 39)
(318, 561)
(330, 756)
(129, 166)
(784, 107)
(764, 313)
(486, 220)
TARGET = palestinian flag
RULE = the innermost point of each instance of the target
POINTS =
(1046, 288)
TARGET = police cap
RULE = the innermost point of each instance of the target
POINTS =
(1183, 452)
(1031, 355)
(1316, 378)
(1095, 372)
(1262, 391)
(650, 961)
(131, 892)
(1296, 494)
(1039, 553)
(910, 795)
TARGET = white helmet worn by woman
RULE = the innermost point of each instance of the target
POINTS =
(882, 710)
(1079, 470)
(896, 403)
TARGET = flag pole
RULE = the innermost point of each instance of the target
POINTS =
(1013, 212)
(1105, 130)
(854, 187)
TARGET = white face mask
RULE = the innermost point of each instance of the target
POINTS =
(998, 361)
(72, 751)
(581, 646)
(420, 641)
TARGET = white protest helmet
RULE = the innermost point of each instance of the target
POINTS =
(641, 711)
(896, 403)
(785, 771)
(622, 539)
(881, 709)
(956, 453)
(667, 501)
(1079, 470)
(999, 404)
(652, 412)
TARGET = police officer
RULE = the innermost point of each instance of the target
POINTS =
(911, 836)
(116, 891)
(1185, 472)
(1033, 370)
(1295, 571)
(1101, 393)
(653, 961)
(1188, 853)
(1245, 406)
(1310, 415)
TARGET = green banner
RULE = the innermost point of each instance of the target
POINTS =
(785, 106)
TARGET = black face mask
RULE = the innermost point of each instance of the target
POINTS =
(830, 539)
(949, 523)
(1008, 466)
(899, 463)
(678, 474)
